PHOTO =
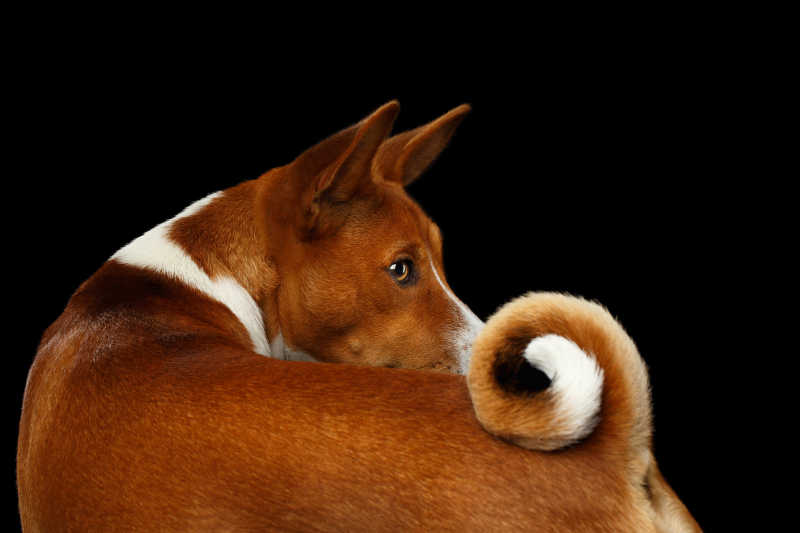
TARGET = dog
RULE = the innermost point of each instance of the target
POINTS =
(150, 404)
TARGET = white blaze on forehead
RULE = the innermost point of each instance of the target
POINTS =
(464, 336)
(156, 251)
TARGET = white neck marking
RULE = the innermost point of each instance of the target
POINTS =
(281, 350)
(156, 251)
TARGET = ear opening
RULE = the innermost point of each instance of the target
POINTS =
(352, 168)
(404, 157)
(334, 170)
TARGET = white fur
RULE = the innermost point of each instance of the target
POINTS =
(280, 350)
(463, 337)
(576, 381)
(156, 251)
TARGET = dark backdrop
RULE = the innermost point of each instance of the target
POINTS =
(605, 178)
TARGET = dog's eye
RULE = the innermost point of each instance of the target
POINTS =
(402, 271)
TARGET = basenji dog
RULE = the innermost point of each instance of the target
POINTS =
(150, 406)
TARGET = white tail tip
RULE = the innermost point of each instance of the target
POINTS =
(576, 382)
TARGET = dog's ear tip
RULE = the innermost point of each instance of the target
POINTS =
(412, 152)
(392, 106)
(457, 114)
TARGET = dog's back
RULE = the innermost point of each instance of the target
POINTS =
(217, 439)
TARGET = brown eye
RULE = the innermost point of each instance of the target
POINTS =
(402, 271)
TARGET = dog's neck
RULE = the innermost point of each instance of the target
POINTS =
(213, 246)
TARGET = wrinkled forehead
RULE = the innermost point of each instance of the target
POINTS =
(408, 220)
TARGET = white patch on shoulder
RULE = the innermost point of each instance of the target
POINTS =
(281, 350)
(576, 381)
(464, 337)
(156, 251)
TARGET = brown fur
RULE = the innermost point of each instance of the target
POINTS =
(352, 222)
(179, 429)
(147, 410)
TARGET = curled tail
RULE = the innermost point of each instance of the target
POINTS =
(548, 370)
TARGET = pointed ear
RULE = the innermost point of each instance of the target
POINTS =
(352, 168)
(404, 157)
(341, 164)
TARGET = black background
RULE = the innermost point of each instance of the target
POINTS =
(605, 169)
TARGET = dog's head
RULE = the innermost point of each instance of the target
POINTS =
(360, 263)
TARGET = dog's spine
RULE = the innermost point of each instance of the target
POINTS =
(550, 370)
